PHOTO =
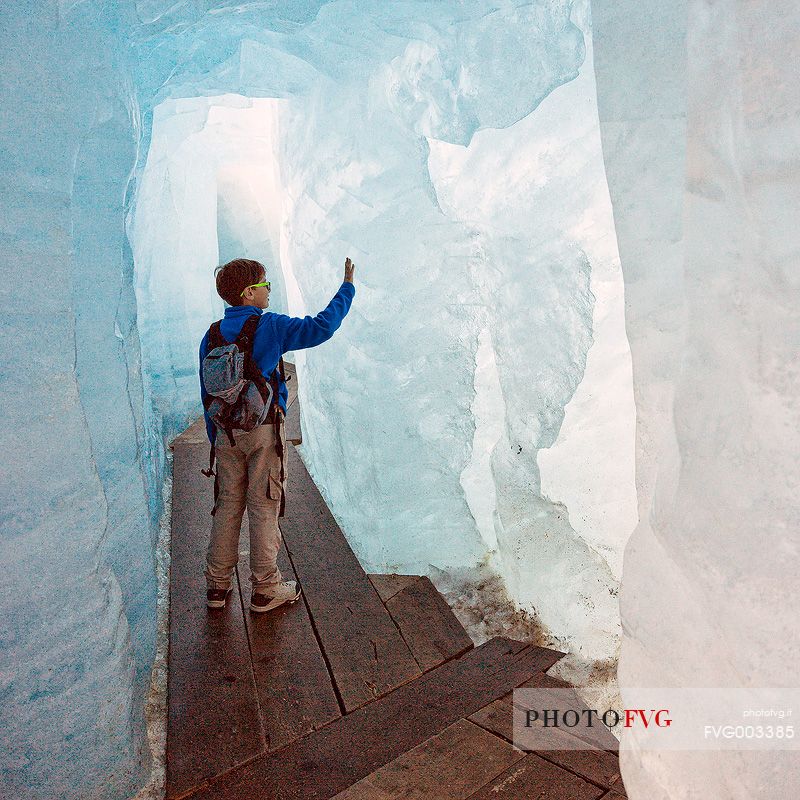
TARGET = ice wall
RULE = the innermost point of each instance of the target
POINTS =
(388, 151)
(78, 615)
(445, 421)
(364, 94)
(699, 104)
(537, 190)
(208, 192)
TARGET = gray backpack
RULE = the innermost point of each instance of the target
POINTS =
(237, 394)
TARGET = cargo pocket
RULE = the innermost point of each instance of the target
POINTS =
(274, 488)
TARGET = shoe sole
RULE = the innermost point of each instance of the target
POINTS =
(270, 606)
(219, 603)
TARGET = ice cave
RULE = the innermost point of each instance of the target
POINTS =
(571, 366)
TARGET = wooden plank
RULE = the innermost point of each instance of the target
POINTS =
(598, 736)
(449, 766)
(365, 652)
(614, 796)
(295, 690)
(388, 585)
(292, 421)
(291, 382)
(292, 424)
(597, 766)
(533, 778)
(429, 626)
(213, 718)
(194, 434)
(498, 717)
(340, 754)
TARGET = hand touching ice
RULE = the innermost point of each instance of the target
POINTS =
(349, 268)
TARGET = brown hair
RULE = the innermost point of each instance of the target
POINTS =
(235, 276)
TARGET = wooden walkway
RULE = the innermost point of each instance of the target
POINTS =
(367, 688)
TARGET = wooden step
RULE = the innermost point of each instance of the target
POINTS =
(292, 422)
(389, 584)
(600, 767)
(533, 777)
(452, 765)
(467, 762)
(213, 720)
(366, 655)
(499, 717)
(295, 689)
(475, 758)
(427, 622)
(340, 754)
(429, 626)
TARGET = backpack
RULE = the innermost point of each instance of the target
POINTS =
(237, 394)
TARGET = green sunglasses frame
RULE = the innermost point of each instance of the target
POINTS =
(254, 286)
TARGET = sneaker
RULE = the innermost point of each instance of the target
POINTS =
(284, 592)
(216, 598)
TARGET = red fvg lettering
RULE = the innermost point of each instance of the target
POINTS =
(653, 716)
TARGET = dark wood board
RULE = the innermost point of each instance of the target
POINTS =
(449, 766)
(213, 720)
(295, 690)
(429, 626)
(366, 654)
(333, 758)
(390, 584)
(533, 778)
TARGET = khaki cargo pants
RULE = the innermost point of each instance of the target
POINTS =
(249, 476)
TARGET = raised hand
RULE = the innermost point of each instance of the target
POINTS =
(349, 268)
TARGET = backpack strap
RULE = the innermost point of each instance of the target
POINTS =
(274, 380)
(229, 432)
(215, 338)
(211, 456)
(216, 495)
(245, 341)
(280, 431)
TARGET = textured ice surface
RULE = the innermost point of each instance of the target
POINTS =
(463, 414)
(535, 195)
(699, 109)
(208, 193)
(354, 150)
(78, 586)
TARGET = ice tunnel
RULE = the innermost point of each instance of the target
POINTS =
(507, 397)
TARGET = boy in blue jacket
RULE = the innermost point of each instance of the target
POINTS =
(249, 473)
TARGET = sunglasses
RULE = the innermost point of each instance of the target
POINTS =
(254, 286)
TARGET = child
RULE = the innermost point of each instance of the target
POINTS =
(251, 473)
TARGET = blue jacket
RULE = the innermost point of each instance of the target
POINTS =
(276, 334)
